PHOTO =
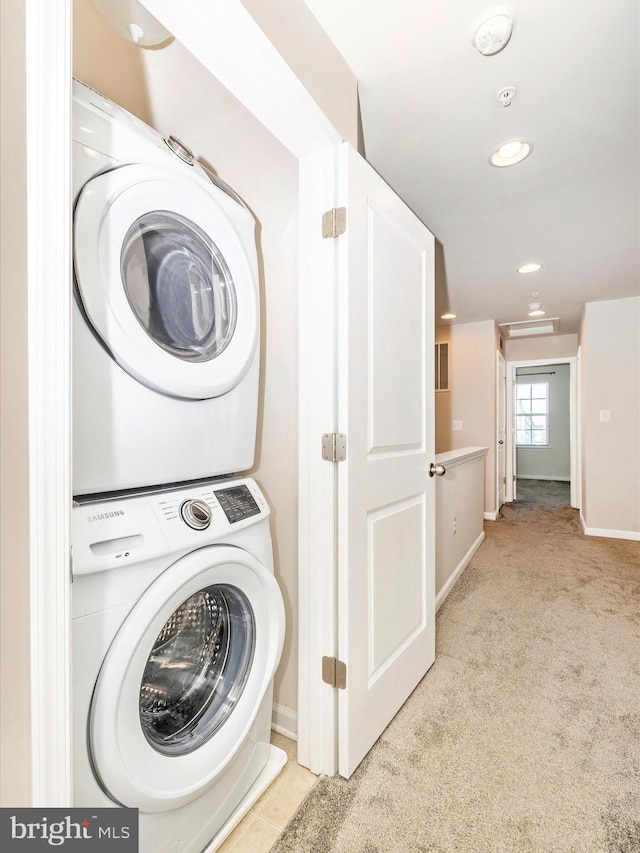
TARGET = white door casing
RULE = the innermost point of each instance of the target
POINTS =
(501, 414)
(574, 425)
(386, 498)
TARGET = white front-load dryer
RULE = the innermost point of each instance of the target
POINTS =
(166, 314)
(178, 625)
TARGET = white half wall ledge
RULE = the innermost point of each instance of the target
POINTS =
(630, 535)
(451, 458)
(285, 721)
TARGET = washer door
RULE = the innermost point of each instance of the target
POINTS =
(165, 281)
(183, 680)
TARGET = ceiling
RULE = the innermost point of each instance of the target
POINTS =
(431, 120)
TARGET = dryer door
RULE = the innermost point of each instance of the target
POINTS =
(166, 281)
(183, 680)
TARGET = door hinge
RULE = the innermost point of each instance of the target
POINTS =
(334, 222)
(334, 672)
(504, 480)
(334, 446)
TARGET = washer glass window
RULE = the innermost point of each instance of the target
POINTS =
(197, 669)
(179, 286)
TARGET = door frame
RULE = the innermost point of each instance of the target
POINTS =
(501, 401)
(38, 770)
(574, 425)
(277, 98)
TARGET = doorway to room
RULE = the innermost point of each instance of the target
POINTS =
(542, 439)
(542, 434)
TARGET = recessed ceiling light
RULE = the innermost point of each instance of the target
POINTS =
(447, 316)
(511, 152)
(525, 268)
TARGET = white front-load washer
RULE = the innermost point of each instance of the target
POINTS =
(178, 625)
(166, 313)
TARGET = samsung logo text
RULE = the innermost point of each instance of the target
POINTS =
(103, 515)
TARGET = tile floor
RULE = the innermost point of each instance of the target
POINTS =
(258, 831)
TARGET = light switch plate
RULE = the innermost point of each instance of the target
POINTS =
(605, 416)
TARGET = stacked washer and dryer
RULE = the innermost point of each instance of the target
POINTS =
(178, 620)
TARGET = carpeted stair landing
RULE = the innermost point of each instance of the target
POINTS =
(525, 734)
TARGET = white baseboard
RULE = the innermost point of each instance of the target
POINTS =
(285, 721)
(543, 477)
(492, 516)
(631, 535)
(462, 565)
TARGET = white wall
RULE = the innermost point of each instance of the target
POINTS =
(610, 382)
(170, 90)
(552, 462)
(472, 368)
(15, 767)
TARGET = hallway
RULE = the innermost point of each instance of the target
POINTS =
(547, 492)
(524, 737)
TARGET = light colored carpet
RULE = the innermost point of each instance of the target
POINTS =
(524, 737)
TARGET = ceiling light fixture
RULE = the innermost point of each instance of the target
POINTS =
(527, 268)
(447, 316)
(132, 20)
(535, 308)
(511, 152)
(493, 30)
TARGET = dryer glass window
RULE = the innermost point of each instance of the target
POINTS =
(197, 669)
(179, 286)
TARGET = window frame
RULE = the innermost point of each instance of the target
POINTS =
(518, 415)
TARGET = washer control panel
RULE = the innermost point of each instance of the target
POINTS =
(196, 513)
(131, 529)
(237, 503)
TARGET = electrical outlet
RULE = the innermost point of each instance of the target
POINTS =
(457, 425)
(454, 525)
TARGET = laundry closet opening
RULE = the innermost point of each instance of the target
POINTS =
(168, 89)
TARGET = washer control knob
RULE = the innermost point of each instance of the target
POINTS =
(196, 513)
(180, 149)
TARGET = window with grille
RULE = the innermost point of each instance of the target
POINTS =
(532, 414)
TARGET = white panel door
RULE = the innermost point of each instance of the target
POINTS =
(386, 498)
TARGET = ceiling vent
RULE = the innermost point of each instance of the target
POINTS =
(529, 328)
